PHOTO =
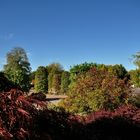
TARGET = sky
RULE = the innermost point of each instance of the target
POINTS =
(71, 31)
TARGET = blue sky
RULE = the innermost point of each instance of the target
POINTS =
(71, 31)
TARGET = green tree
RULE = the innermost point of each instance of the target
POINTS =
(18, 68)
(65, 81)
(41, 80)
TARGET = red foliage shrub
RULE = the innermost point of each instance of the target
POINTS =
(16, 112)
(125, 111)
(121, 124)
(21, 119)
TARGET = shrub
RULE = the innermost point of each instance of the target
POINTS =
(16, 113)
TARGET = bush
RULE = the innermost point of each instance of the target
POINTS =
(16, 114)
(121, 124)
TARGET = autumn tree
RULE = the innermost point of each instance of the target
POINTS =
(41, 80)
(18, 68)
(96, 89)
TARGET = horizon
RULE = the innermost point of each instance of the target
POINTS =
(71, 32)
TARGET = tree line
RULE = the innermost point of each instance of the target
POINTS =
(53, 78)
(89, 86)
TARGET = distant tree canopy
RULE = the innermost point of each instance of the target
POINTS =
(59, 81)
(18, 68)
(53, 78)
(118, 70)
(41, 80)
